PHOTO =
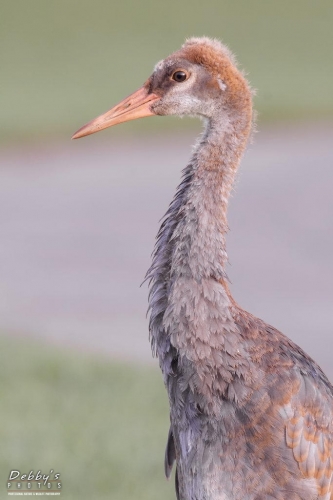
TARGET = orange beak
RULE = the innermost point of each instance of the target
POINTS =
(137, 105)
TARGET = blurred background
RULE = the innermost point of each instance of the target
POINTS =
(80, 392)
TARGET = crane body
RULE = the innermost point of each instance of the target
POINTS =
(251, 414)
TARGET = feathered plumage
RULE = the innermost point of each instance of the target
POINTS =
(251, 414)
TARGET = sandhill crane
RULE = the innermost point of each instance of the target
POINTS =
(251, 414)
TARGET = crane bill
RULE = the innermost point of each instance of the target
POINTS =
(137, 105)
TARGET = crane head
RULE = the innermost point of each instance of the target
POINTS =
(200, 79)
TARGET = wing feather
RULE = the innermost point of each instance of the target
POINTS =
(309, 433)
(170, 455)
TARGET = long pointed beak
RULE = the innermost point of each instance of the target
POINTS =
(137, 105)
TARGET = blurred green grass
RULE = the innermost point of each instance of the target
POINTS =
(102, 425)
(65, 61)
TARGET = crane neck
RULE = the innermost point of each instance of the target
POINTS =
(189, 300)
(201, 233)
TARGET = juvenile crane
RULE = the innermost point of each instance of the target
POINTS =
(251, 414)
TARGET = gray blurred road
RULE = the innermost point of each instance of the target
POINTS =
(78, 221)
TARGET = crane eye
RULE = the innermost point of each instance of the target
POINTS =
(179, 76)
